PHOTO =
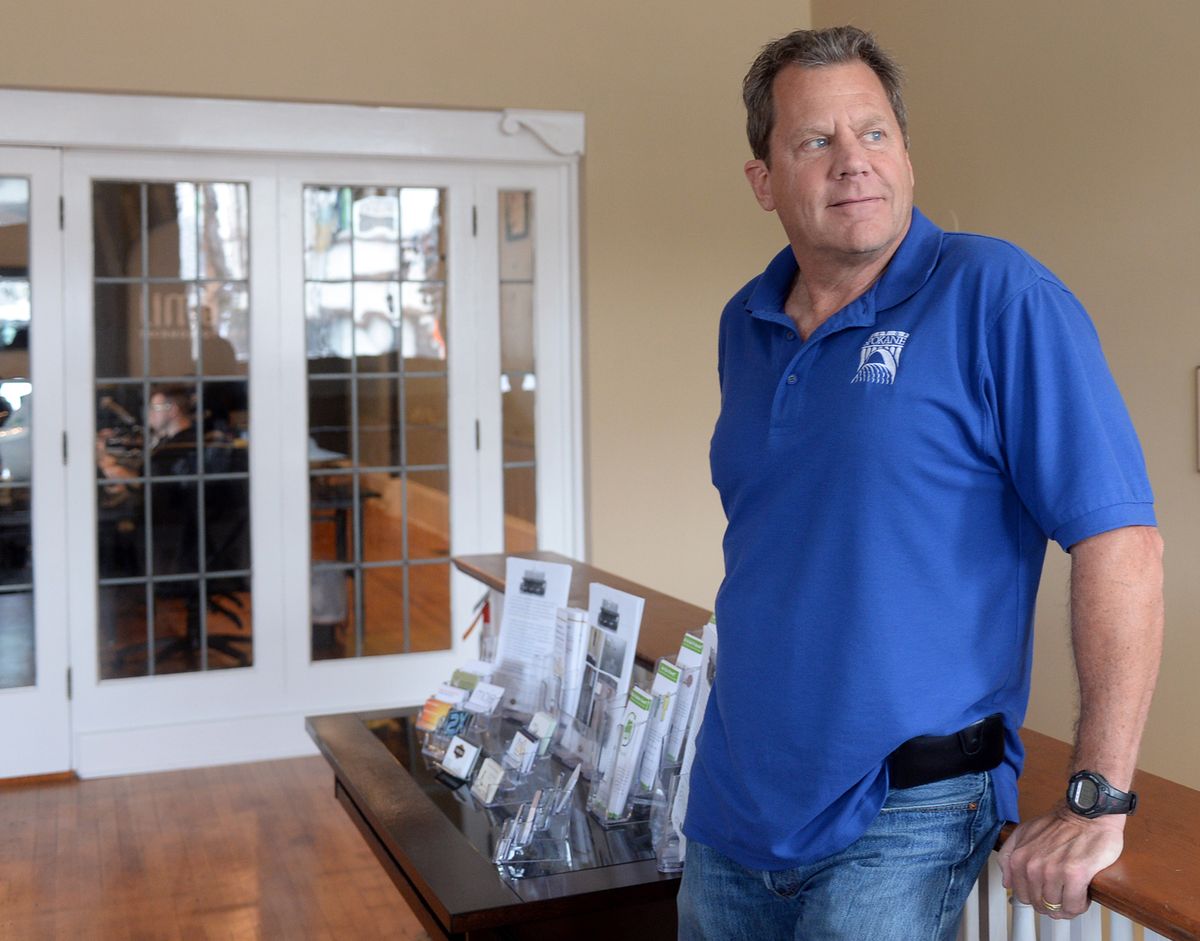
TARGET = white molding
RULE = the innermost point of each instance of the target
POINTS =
(100, 121)
(135, 750)
(560, 131)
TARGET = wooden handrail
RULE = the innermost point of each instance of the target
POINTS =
(1156, 882)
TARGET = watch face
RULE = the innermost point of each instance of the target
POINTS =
(1085, 793)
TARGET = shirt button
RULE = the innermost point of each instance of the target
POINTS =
(791, 380)
(790, 335)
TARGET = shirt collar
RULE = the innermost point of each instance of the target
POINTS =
(908, 270)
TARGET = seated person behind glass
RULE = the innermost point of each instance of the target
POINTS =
(170, 421)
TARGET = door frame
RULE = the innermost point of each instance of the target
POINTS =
(35, 730)
(549, 145)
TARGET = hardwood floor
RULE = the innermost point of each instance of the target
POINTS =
(257, 850)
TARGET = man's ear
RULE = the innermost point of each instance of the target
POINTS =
(758, 175)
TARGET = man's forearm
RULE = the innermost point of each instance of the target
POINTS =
(1116, 632)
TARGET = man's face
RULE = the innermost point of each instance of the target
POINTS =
(162, 410)
(839, 178)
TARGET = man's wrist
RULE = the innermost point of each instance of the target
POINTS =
(1114, 822)
(1090, 794)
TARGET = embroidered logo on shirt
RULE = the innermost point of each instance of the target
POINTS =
(879, 357)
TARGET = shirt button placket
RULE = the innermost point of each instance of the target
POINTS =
(789, 396)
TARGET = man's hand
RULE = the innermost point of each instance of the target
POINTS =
(1052, 859)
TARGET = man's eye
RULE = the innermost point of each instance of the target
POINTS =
(816, 143)
(874, 136)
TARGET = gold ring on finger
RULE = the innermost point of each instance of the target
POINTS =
(1051, 906)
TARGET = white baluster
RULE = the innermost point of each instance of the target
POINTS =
(968, 927)
(997, 914)
(1024, 922)
(1087, 926)
(1053, 929)
(1120, 928)
(1149, 935)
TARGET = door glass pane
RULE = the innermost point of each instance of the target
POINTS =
(518, 376)
(17, 653)
(375, 309)
(172, 324)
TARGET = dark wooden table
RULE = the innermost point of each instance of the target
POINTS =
(434, 845)
(431, 844)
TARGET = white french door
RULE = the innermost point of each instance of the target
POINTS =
(34, 717)
(303, 385)
(287, 360)
(379, 277)
(176, 640)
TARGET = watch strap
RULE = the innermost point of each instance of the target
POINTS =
(1109, 800)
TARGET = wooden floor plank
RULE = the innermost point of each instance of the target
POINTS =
(238, 852)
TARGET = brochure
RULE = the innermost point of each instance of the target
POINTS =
(487, 781)
(460, 758)
(432, 713)
(438, 705)
(616, 619)
(469, 674)
(666, 682)
(691, 652)
(485, 697)
(629, 752)
(534, 591)
(542, 726)
(705, 674)
(522, 752)
(570, 655)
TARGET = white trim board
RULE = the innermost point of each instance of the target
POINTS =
(102, 121)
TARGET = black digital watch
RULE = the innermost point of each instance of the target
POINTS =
(1090, 795)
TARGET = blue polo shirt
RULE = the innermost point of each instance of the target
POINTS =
(890, 485)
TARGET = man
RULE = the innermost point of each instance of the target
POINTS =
(173, 442)
(172, 438)
(907, 416)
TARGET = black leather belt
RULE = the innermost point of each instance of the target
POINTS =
(929, 758)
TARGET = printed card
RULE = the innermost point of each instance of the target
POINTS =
(542, 725)
(522, 751)
(487, 781)
(485, 697)
(432, 713)
(460, 758)
(456, 722)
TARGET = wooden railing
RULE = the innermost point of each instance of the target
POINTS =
(1155, 884)
(1153, 891)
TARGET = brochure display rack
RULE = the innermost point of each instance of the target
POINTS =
(483, 825)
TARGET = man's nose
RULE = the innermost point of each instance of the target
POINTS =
(850, 158)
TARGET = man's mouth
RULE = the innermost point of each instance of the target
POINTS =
(857, 200)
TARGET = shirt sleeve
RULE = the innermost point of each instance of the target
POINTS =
(1058, 423)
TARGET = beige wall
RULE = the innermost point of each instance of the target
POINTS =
(670, 230)
(1071, 128)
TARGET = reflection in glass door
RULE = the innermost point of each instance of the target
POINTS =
(375, 273)
(172, 327)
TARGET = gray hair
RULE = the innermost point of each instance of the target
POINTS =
(814, 49)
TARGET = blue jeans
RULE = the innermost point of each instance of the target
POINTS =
(905, 879)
